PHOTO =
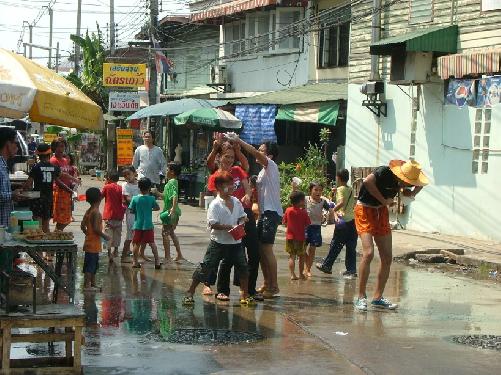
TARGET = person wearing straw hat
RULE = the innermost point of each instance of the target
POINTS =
(373, 225)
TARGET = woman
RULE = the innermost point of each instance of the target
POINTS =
(63, 194)
(242, 191)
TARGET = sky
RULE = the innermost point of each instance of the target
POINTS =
(130, 15)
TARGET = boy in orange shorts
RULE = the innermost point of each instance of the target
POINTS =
(373, 224)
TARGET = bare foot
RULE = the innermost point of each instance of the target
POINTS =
(168, 260)
(307, 273)
(179, 259)
(294, 277)
(207, 291)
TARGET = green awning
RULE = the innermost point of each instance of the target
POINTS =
(431, 39)
(321, 113)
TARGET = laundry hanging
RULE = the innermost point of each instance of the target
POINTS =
(258, 123)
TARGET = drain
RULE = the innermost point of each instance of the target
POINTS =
(207, 336)
(479, 341)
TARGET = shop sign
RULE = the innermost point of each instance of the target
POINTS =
(49, 137)
(89, 149)
(124, 75)
(124, 147)
(123, 101)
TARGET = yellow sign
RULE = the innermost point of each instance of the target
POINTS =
(124, 75)
(124, 147)
(49, 137)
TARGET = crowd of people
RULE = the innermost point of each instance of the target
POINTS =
(242, 219)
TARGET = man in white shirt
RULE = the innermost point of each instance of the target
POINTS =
(270, 208)
(225, 213)
(149, 160)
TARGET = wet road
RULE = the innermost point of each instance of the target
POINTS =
(311, 328)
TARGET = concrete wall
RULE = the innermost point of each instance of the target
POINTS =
(456, 201)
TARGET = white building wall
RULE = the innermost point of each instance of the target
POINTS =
(457, 201)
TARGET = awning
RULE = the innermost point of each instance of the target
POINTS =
(229, 8)
(432, 39)
(321, 113)
(311, 93)
(476, 62)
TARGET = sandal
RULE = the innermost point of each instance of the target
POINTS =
(249, 301)
(261, 289)
(222, 297)
(188, 301)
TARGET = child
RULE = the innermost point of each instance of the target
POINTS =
(42, 177)
(315, 204)
(224, 213)
(129, 191)
(254, 197)
(297, 220)
(345, 232)
(171, 212)
(73, 172)
(92, 227)
(142, 206)
(114, 211)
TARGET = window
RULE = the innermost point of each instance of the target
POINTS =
(234, 33)
(334, 46)
(286, 32)
(481, 141)
(420, 11)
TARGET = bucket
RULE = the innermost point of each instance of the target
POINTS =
(207, 200)
(238, 232)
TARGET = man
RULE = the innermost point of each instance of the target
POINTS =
(270, 207)
(8, 149)
(149, 160)
(373, 225)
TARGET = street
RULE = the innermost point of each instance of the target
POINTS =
(137, 324)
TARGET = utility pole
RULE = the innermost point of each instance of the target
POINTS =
(153, 68)
(57, 57)
(112, 27)
(51, 17)
(31, 41)
(77, 48)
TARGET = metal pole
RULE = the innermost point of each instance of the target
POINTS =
(31, 41)
(376, 35)
(57, 57)
(51, 17)
(153, 98)
(77, 48)
(112, 27)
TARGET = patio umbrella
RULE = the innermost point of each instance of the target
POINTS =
(28, 88)
(212, 118)
(175, 107)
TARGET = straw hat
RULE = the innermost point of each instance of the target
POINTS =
(409, 171)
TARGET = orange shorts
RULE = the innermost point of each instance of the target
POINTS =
(375, 221)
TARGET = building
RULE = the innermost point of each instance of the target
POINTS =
(430, 55)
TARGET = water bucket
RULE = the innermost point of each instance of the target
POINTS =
(207, 200)
(237, 232)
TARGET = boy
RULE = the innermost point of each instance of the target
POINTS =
(114, 211)
(171, 212)
(42, 177)
(129, 191)
(224, 214)
(142, 206)
(92, 227)
(297, 220)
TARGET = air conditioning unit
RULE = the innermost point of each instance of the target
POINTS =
(415, 67)
(218, 74)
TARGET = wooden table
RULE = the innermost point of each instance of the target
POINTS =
(62, 252)
(50, 317)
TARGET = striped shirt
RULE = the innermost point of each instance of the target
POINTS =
(6, 206)
(268, 189)
(219, 213)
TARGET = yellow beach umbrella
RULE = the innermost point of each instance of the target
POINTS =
(27, 88)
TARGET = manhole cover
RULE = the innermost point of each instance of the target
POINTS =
(205, 336)
(479, 341)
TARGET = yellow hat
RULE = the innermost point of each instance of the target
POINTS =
(409, 171)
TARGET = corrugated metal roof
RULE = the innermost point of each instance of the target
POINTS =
(317, 92)
(430, 39)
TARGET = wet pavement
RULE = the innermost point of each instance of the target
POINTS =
(137, 324)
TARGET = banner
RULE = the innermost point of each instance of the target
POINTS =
(461, 92)
(89, 149)
(124, 147)
(489, 91)
(258, 123)
(124, 75)
(123, 101)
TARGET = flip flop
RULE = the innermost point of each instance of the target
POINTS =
(222, 297)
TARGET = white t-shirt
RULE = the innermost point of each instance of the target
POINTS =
(149, 162)
(268, 188)
(219, 213)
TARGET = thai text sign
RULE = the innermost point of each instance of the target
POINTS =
(124, 75)
(124, 146)
(124, 101)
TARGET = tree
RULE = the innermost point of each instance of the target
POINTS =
(91, 80)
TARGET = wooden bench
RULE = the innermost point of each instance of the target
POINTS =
(51, 317)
